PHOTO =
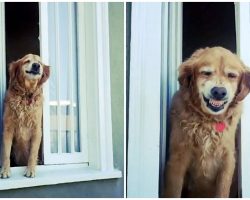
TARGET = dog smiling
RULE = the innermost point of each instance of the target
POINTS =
(23, 114)
(204, 116)
(217, 86)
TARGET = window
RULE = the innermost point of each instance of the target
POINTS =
(77, 131)
(65, 139)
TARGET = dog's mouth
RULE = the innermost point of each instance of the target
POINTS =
(215, 105)
(33, 72)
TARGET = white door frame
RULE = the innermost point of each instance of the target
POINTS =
(156, 46)
(171, 60)
(2, 67)
(144, 99)
(242, 34)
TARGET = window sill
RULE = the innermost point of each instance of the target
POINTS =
(56, 174)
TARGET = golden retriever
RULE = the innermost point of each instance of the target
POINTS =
(23, 113)
(204, 116)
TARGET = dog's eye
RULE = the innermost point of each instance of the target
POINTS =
(232, 75)
(206, 73)
(27, 61)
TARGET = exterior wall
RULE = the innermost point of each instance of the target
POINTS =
(102, 188)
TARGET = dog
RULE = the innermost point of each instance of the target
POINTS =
(23, 114)
(204, 116)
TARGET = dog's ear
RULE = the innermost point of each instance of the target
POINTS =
(13, 70)
(46, 74)
(185, 74)
(186, 69)
(244, 86)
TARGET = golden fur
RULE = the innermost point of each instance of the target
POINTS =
(202, 159)
(23, 114)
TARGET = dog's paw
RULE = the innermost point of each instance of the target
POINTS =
(30, 172)
(5, 172)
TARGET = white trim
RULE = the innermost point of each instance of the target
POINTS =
(59, 157)
(2, 56)
(243, 43)
(144, 109)
(95, 67)
(55, 174)
(125, 100)
(94, 78)
(57, 67)
(71, 79)
(44, 49)
(171, 59)
(2, 66)
(82, 74)
(105, 120)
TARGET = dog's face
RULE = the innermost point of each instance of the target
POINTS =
(32, 67)
(217, 76)
(29, 70)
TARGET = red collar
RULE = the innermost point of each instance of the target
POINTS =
(220, 126)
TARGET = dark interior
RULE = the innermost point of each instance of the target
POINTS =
(22, 35)
(22, 30)
(207, 25)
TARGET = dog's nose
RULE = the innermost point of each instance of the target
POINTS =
(218, 92)
(35, 67)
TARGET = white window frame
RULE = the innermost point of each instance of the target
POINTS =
(74, 157)
(93, 18)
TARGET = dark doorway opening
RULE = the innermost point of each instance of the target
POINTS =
(22, 30)
(22, 35)
(207, 25)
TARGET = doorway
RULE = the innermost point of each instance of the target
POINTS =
(21, 36)
(208, 24)
(22, 30)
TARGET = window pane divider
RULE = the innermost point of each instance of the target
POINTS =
(59, 133)
(70, 57)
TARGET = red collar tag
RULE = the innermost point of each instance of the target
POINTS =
(220, 126)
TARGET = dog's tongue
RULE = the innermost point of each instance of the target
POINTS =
(220, 126)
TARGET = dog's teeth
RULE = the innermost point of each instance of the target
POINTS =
(215, 102)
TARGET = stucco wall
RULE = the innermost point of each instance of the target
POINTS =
(102, 188)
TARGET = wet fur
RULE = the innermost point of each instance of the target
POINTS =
(202, 161)
(22, 119)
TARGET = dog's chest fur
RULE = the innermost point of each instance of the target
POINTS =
(26, 116)
(25, 112)
(207, 144)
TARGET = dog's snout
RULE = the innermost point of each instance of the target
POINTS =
(218, 93)
(35, 67)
